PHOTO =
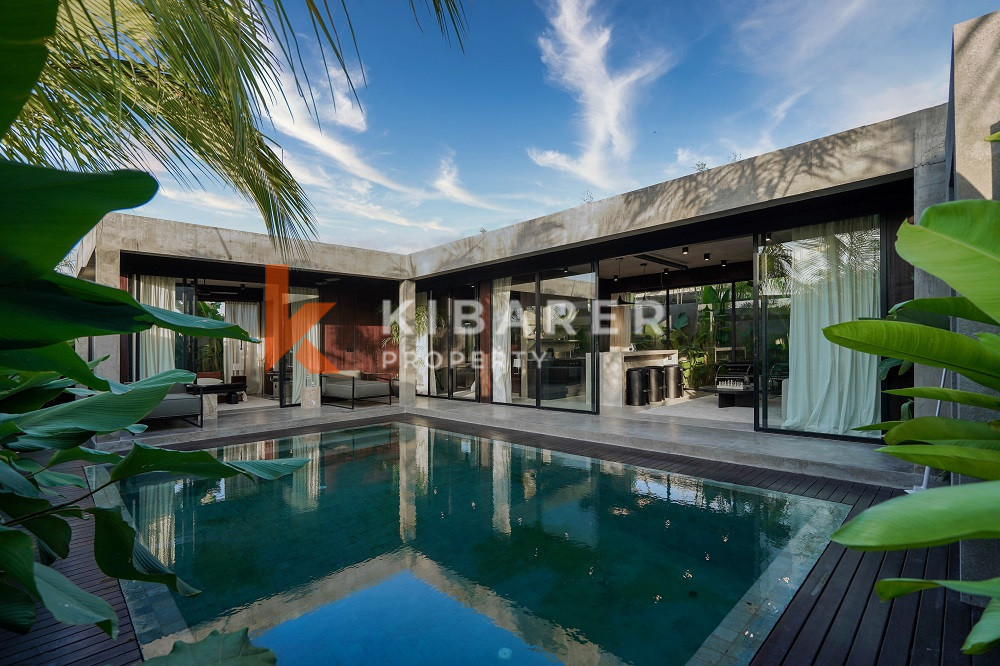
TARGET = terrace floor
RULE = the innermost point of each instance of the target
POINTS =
(706, 439)
(834, 618)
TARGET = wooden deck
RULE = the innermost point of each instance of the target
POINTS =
(834, 618)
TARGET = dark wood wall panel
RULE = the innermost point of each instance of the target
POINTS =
(352, 331)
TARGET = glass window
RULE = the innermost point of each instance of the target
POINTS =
(810, 278)
(565, 335)
(513, 338)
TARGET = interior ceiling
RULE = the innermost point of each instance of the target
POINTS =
(733, 250)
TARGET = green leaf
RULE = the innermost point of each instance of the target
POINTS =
(52, 531)
(104, 413)
(59, 358)
(887, 364)
(17, 609)
(48, 211)
(993, 137)
(14, 482)
(142, 459)
(23, 30)
(928, 518)
(974, 462)
(31, 390)
(71, 605)
(17, 557)
(120, 555)
(85, 454)
(216, 648)
(954, 306)
(938, 427)
(959, 242)
(950, 395)
(985, 634)
(58, 308)
(920, 344)
(885, 425)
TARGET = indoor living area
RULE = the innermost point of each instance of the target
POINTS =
(232, 376)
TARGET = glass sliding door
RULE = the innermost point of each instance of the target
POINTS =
(463, 372)
(437, 348)
(809, 278)
(565, 365)
(543, 339)
(514, 339)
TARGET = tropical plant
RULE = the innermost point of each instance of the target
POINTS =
(958, 242)
(185, 85)
(46, 212)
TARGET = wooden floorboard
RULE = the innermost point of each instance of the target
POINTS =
(834, 618)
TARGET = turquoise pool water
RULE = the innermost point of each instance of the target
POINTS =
(403, 544)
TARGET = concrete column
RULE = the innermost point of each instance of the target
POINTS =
(108, 272)
(976, 109)
(930, 187)
(407, 342)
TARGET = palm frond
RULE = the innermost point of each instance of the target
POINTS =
(183, 86)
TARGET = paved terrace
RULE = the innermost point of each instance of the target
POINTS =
(710, 440)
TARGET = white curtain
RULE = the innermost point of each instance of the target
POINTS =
(501, 340)
(300, 296)
(156, 345)
(244, 358)
(833, 277)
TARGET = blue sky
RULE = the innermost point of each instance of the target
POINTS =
(555, 102)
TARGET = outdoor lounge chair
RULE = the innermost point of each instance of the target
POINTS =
(353, 385)
(179, 403)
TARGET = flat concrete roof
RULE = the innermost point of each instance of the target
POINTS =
(848, 160)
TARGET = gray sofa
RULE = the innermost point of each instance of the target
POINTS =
(353, 385)
(179, 404)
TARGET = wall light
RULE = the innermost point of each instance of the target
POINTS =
(723, 263)
(707, 256)
(684, 250)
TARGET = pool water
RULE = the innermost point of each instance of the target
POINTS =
(404, 544)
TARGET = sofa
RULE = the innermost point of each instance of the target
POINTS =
(352, 385)
(179, 404)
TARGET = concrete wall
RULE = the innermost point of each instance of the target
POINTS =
(839, 162)
(976, 110)
(119, 232)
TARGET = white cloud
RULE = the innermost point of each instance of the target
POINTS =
(345, 110)
(225, 205)
(293, 120)
(449, 185)
(576, 54)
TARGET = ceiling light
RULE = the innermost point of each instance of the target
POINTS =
(684, 250)
(767, 237)
(616, 278)
(723, 262)
(565, 269)
(707, 256)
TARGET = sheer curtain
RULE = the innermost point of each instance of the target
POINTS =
(501, 340)
(156, 345)
(833, 277)
(244, 358)
(300, 296)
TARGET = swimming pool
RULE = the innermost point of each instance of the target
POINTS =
(399, 543)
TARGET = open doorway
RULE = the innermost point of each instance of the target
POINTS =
(698, 302)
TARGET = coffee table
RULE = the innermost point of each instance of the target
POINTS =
(231, 390)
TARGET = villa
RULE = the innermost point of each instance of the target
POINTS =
(511, 399)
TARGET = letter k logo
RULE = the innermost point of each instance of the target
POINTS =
(283, 329)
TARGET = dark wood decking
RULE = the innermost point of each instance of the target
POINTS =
(834, 618)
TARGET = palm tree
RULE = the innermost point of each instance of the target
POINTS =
(185, 84)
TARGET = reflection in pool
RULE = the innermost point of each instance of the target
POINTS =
(404, 544)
